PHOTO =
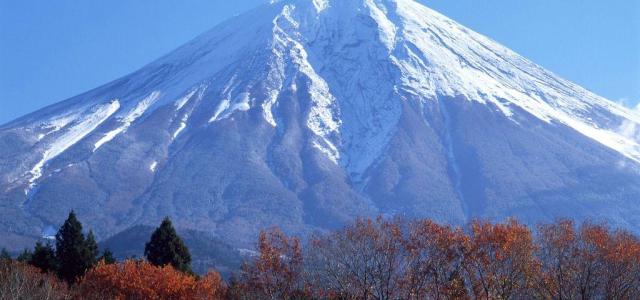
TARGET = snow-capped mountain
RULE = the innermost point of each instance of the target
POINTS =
(307, 113)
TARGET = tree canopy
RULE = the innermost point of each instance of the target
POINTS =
(166, 248)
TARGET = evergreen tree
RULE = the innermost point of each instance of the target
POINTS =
(25, 256)
(91, 251)
(107, 257)
(4, 254)
(71, 250)
(44, 257)
(166, 247)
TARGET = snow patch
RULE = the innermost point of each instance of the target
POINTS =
(182, 101)
(267, 107)
(630, 132)
(320, 5)
(75, 132)
(328, 149)
(153, 166)
(387, 29)
(128, 119)
(55, 124)
(227, 107)
(222, 106)
(323, 115)
(181, 127)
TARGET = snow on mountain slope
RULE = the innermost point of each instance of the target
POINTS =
(77, 131)
(129, 118)
(466, 63)
(332, 109)
(428, 55)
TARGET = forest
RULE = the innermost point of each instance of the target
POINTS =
(380, 258)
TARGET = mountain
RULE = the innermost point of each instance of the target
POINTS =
(207, 253)
(308, 113)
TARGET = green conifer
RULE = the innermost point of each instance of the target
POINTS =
(25, 256)
(72, 253)
(4, 254)
(44, 257)
(166, 247)
(91, 250)
(107, 257)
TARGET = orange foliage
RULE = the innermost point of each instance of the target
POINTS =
(590, 262)
(276, 273)
(435, 257)
(141, 280)
(499, 260)
(622, 266)
(383, 259)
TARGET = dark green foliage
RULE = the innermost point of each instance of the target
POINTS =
(44, 257)
(166, 247)
(25, 256)
(91, 251)
(207, 252)
(4, 254)
(107, 257)
(73, 253)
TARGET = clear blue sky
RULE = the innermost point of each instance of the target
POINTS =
(52, 50)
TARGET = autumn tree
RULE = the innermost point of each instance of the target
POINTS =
(142, 280)
(166, 248)
(499, 260)
(276, 273)
(622, 266)
(435, 257)
(587, 262)
(558, 257)
(590, 254)
(364, 260)
(19, 280)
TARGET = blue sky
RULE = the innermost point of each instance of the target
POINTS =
(52, 50)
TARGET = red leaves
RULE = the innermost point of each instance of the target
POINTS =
(393, 259)
(587, 262)
(434, 261)
(277, 271)
(499, 260)
(141, 280)
(384, 259)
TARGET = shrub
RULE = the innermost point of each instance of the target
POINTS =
(142, 280)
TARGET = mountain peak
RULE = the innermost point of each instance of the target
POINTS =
(310, 112)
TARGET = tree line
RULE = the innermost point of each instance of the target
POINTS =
(395, 259)
(75, 253)
(74, 269)
(368, 259)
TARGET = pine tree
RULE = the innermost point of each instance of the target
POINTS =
(4, 254)
(91, 250)
(44, 258)
(107, 257)
(25, 256)
(72, 253)
(166, 247)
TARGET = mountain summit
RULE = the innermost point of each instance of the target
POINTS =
(308, 113)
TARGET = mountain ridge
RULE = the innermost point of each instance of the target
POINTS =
(306, 114)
